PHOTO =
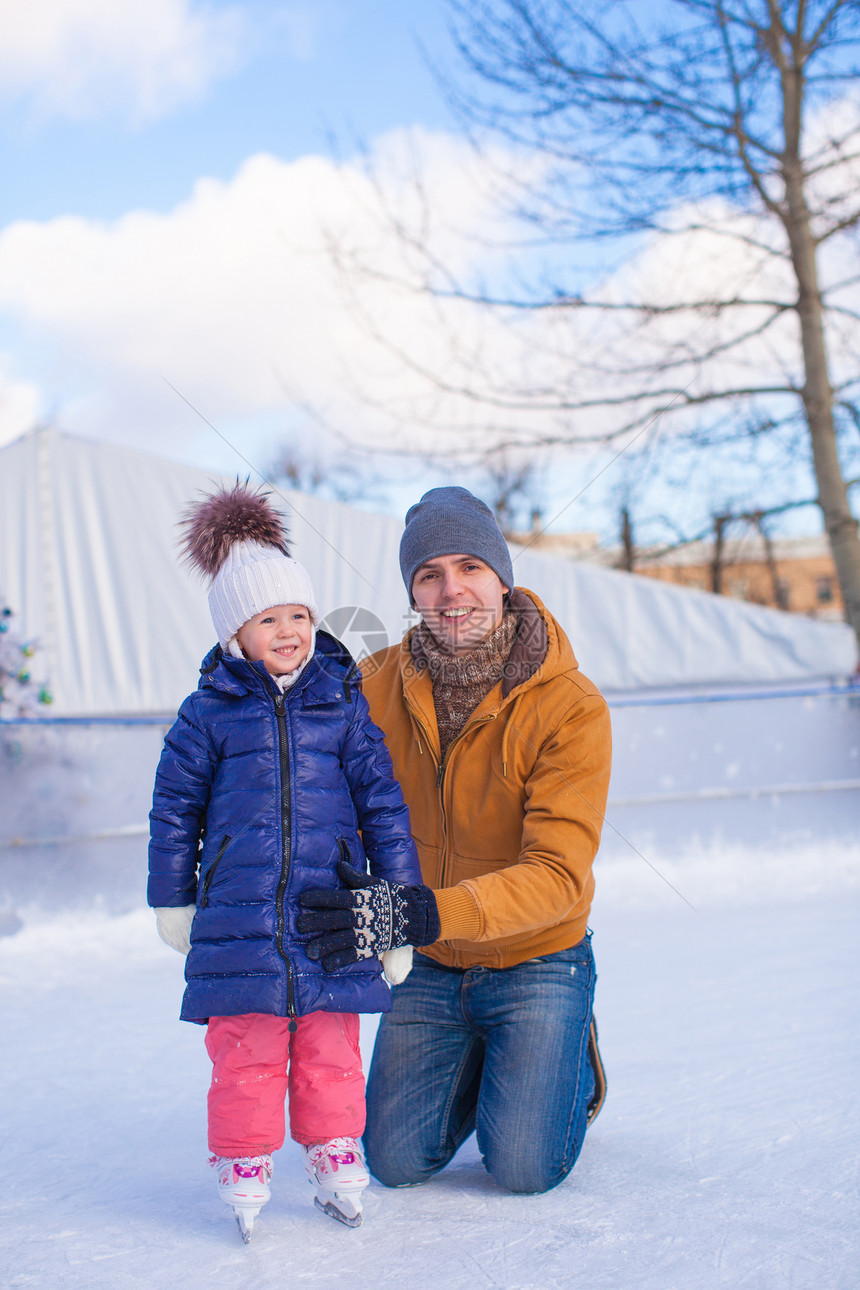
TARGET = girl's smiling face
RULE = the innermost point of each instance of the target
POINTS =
(279, 638)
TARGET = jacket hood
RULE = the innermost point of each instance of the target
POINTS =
(330, 669)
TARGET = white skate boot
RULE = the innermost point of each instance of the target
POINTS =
(244, 1184)
(338, 1175)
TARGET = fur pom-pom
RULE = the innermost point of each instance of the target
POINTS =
(238, 514)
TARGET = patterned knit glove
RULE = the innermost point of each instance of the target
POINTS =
(370, 917)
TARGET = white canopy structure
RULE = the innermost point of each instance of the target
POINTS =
(88, 562)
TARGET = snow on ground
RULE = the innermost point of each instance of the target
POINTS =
(726, 1154)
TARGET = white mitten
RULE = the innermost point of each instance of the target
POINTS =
(397, 964)
(174, 926)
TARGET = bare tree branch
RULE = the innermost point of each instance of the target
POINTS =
(717, 139)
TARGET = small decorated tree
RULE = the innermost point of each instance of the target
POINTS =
(20, 695)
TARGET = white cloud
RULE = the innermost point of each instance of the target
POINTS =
(233, 296)
(20, 403)
(234, 299)
(85, 58)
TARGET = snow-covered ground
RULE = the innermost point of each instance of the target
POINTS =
(726, 1154)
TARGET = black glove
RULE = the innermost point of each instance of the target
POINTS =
(370, 917)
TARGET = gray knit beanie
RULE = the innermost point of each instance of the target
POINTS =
(450, 521)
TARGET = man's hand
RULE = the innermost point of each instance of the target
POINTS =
(371, 916)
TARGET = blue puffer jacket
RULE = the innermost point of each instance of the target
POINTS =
(278, 787)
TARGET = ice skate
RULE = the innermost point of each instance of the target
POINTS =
(338, 1175)
(243, 1183)
(599, 1095)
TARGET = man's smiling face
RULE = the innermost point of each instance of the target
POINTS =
(460, 599)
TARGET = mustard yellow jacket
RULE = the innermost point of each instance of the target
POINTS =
(508, 824)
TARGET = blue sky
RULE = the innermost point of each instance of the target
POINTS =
(123, 140)
(302, 71)
(291, 80)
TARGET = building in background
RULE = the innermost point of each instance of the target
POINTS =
(795, 574)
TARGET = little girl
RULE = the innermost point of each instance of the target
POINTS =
(272, 774)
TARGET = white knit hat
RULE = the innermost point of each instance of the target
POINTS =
(237, 539)
(254, 578)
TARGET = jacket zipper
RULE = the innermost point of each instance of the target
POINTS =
(441, 767)
(443, 764)
(210, 872)
(283, 754)
(440, 784)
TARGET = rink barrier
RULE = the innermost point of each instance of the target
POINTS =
(826, 688)
(835, 687)
(652, 799)
(838, 689)
(104, 835)
(719, 794)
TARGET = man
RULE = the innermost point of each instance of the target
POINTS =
(502, 748)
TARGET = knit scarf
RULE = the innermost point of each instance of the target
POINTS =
(461, 681)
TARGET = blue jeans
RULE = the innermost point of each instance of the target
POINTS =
(503, 1052)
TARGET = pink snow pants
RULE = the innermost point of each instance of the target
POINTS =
(251, 1056)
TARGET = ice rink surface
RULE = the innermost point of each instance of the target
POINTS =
(726, 1154)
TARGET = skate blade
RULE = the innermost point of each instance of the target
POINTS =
(330, 1208)
(245, 1219)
